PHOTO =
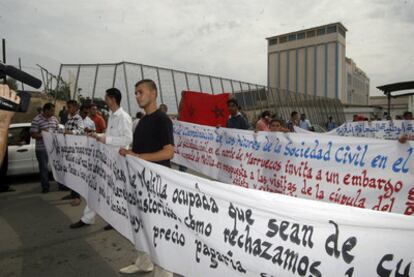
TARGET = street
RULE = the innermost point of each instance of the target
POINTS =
(35, 238)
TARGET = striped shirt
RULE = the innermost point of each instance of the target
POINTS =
(39, 123)
(75, 124)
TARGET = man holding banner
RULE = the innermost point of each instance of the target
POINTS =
(118, 134)
(74, 126)
(153, 141)
(236, 119)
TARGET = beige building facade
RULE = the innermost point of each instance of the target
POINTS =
(357, 84)
(311, 62)
(399, 105)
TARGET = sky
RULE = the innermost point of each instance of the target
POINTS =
(219, 38)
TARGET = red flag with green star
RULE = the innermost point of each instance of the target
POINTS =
(204, 109)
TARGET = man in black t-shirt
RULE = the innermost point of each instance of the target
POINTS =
(154, 132)
(153, 141)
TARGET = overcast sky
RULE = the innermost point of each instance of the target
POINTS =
(220, 38)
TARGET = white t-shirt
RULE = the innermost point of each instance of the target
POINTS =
(305, 124)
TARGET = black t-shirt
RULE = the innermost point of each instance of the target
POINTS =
(153, 132)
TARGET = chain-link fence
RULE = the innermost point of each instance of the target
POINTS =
(49, 80)
(90, 81)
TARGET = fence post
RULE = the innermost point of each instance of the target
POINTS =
(94, 82)
(159, 85)
(222, 86)
(76, 82)
(126, 88)
(175, 89)
(57, 82)
(242, 95)
(186, 80)
(232, 87)
(113, 81)
(199, 82)
(211, 85)
(142, 72)
(43, 79)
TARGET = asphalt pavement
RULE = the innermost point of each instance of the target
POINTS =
(35, 238)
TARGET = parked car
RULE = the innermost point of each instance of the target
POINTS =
(21, 147)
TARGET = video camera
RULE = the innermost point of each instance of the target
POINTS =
(8, 70)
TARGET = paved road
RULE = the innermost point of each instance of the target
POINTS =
(35, 239)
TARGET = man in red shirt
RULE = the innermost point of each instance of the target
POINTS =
(100, 123)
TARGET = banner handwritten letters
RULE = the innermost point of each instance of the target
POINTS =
(196, 227)
(391, 130)
(359, 172)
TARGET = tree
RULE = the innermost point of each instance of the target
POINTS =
(62, 92)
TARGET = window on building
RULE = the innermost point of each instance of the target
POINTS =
(342, 31)
(310, 34)
(282, 39)
(321, 31)
(273, 41)
(301, 35)
(292, 37)
(331, 29)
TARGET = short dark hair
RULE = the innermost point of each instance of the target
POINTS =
(94, 105)
(72, 103)
(407, 113)
(115, 94)
(150, 83)
(265, 113)
(232, 101)
(85, 106)
(293, 113)
(139, 115)
(277, 120)
(48, 107)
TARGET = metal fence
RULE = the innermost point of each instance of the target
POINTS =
(92, 80)
(49, 80)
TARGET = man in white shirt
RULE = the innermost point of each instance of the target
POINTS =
(87, 121)
(304, 123)
(118, 134)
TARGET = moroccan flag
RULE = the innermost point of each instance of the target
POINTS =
(204, 108)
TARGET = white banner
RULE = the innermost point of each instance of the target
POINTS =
(359, 172)
(391, 130)
(196, 227)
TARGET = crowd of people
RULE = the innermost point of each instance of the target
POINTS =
(405, 116)
(267, 121)
(275, 123)
(149, 137)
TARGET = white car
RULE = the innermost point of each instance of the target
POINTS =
(21, 148)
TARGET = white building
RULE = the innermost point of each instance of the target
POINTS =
(357, 84)
(313, 62)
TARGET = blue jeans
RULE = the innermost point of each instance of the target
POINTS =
(42, 159)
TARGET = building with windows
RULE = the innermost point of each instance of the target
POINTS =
(313, 62)
(399, 105)
(357, 84)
